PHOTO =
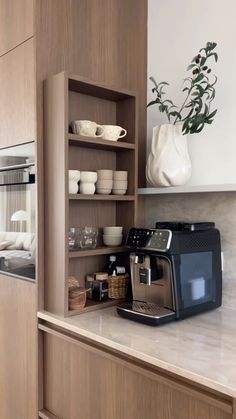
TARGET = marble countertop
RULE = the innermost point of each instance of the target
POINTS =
(201, 348)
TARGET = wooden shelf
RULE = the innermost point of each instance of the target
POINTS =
(188, 189)
(98, 143)
(81, 197)
(103, 250)
(95, 305)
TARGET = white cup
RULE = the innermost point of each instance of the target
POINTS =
(73, 187)
(104, 184)
(120, 175)
(87, 128)
(87, 188)
(112, 132)
(74, 175)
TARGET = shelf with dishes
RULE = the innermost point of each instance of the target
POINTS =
(91, 180)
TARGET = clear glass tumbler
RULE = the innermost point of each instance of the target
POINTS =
(88, 237)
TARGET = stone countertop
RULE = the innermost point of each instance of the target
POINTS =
(201, 348)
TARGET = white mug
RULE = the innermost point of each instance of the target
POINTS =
(86, 128)
(112, 132)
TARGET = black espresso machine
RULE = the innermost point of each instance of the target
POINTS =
(175, 272)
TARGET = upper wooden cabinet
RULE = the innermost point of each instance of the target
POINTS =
(17, 104)
(16, 23)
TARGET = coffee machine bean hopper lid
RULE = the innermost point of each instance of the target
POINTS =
(184, 226)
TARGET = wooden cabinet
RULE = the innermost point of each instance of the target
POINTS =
(16, 23)
(17, 104)
(68, 98)
(85, 382)
(18, 349)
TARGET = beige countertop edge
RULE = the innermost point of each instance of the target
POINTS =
(181, 372)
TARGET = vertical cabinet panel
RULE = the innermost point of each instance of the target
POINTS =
(18, 377)
(81, 383)
(16, 23)
(17, 104)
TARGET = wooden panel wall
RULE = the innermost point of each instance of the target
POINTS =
(103, 40)
(18, 334)
(18, 96)
(16, 23)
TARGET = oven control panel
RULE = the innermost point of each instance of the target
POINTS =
(150, 239)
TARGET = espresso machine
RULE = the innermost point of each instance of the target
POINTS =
(175, 272)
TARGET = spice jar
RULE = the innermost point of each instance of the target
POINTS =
(100, 287)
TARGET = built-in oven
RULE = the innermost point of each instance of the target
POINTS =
(17, 211)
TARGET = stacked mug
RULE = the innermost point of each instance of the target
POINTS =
(104, 182)
(120, 182)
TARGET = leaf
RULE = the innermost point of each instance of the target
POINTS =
(168, 101)
(191, 66)
(185, 89)
(153, 102)
(154, 81)
(212, 114)
(198, 78)
(203, 60)
(199, 129)
(163, 83)
(175, 114)
(215, 56)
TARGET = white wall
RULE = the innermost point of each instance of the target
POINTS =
(177, 29)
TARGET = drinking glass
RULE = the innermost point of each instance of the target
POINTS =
(88, 237)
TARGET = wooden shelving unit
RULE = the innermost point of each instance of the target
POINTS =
(68, 98)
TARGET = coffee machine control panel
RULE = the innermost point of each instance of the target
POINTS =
(150, 239)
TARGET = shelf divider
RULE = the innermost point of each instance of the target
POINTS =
(81, 197)
(98, 143)
(102, 250)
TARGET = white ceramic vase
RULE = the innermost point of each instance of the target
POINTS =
(168, 163)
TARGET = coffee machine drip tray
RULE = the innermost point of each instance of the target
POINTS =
(145, 312)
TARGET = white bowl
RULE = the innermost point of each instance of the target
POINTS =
(74, 175)
(105, 174)
(120, 175)
(104, 184)
(120, 184)
(87, 188)
(112, 231)
(103, 191)
(88, 177)
(112, 240)
(119, 191)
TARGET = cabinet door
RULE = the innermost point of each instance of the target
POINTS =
(18, 349)
(17, 104)
(16, 23)
(83, 383)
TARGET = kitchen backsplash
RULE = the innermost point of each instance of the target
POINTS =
(219, 207)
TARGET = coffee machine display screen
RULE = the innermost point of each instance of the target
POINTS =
(197, 285)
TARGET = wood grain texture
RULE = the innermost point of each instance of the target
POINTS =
(56, 189)
(18, 349)
(18, 96)
(104, 41)
(16, 23)
(91, 384)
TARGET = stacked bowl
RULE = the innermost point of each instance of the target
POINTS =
(120, 182)
(112, 236)
(87, 182)
(74, 177)
(104, 182)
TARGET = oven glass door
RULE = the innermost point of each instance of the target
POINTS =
(17, 211)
